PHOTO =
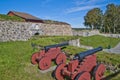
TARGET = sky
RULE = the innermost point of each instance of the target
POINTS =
(70, 11)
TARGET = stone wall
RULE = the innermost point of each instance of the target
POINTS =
(12, 31)
(75, 42)
(85, 32)
(111, 35)
(93, 32)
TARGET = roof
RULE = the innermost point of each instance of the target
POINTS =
(24, 15)
(31, 17)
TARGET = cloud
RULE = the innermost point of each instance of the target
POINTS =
(85, 5)
(87, 2)
(76, 9)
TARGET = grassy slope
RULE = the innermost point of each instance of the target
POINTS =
(10, 18)
(15, 59)
(99, 41)
(15, 62)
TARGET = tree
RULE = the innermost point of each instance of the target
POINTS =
(118, 19)
(93, 18)
(111, 18)
(109, 22)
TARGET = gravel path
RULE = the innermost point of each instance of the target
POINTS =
(115, 50)
(48, 70)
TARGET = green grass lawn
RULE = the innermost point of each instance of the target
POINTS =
(96, 40)
(4, 17)
(15, 58)
(15, 62)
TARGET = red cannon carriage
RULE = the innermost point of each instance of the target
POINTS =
(82, 67)
(49, 53)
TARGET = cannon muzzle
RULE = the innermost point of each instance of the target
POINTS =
(82, 55)
(55, 46)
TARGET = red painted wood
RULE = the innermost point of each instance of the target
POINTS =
(83, 76)
(58, 72)
(61, 58)
(75, 67)
(99, 72)
(44, 63)
(44, 58)
(11, 14)
(34, 58)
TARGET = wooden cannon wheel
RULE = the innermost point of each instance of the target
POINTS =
(99, 72)
(58, 71)
(61, 58)
(83, 76)
(34, 58)
(44, 63)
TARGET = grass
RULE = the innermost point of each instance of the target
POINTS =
(96, 40)
(15, 58)
(15, 62)
(10, 18)
(109, 58)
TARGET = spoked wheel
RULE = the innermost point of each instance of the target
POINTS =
(83, 76)
(58, 71)
(44, 63)
(34, 58)
(61, 58)
(99, 72)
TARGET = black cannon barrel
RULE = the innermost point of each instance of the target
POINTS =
(82, 55)
(55, 45)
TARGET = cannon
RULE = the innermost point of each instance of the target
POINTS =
(48, 54)
(83, 66)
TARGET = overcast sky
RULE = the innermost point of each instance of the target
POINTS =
(70, 11)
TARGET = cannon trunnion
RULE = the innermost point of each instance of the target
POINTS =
(49, 53)
(83, 67)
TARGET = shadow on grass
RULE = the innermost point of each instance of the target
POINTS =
(109, 77)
